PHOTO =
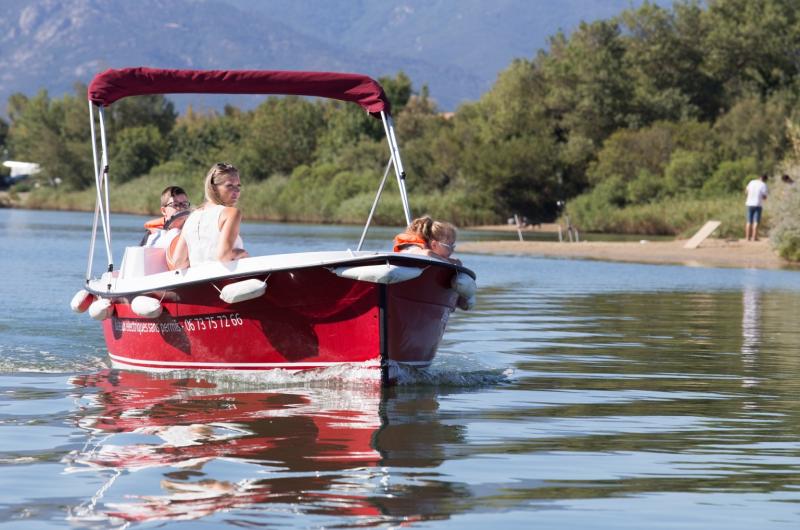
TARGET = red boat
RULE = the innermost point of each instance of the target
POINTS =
(291, 311)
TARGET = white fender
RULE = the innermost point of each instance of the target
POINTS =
(146, 306)
(379, 273)
(81, 301)
(101, 309)
(466, 303)
(464, 285)
(241, 291)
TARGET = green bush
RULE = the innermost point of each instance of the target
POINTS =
(731, 176)
(644, 188)
(141, 195)
(56, 199)
(22, 187)
(672, 216)
(686, 170)
(785, 234)
(137, 150)
(754, 127)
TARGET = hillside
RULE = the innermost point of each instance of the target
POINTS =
(456, 48)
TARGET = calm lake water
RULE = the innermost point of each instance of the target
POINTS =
(577, 394)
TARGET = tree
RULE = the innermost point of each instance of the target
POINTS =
(687, 170)
(423, 136)
(754, 128)
(3, 134)
(141, 111)
(751, 47)
(587, 90)
(628, 152)
(136, 150)
(514, 106)
(49, 132)
(398, 89)
(344, 124)
(663, 57)
(518, 175)
(283, 134)
(731, 176)
(202, 139)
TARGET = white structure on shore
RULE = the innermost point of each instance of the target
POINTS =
(22, 169)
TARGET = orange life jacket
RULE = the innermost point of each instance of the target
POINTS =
(405, 239)
(154, 224)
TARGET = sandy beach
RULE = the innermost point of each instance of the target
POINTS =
(711, 253)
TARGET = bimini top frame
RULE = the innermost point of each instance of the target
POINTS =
(115, 84)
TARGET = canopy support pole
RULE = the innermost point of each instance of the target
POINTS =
(97, 199)
(104, 162)
(374, 204)
(388, 126)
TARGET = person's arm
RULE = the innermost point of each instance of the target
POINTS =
(180, 256)
(431, 254)
(230, 220)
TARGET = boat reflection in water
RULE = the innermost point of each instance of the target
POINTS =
(180, 449)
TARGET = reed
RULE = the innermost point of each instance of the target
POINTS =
(678, 216)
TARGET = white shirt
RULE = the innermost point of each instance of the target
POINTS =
(201, 233)
(756, 192)
(162, 238)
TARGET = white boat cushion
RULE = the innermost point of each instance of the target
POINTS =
(379, 273)
(101, 309)
(466, 303)
(146, 306)
(141, 261)
(465, 285)
(81, 301)
(241, 291)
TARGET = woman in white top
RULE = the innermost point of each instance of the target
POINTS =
(211, 233)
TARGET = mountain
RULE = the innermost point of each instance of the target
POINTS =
(477, 36)
(456, 47)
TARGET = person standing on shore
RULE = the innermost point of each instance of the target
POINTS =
(756, 192)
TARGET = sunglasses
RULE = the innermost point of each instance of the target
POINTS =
(451, 247)
(178, 205)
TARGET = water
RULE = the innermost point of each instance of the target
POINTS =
(578, 394)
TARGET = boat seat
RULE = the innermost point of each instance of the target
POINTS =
(141, 261)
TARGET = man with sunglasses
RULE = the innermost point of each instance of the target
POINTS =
(174, 209)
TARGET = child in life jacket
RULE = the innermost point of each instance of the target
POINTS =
(427, 237)
(162, 232)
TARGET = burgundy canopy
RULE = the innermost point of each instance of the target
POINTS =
(113, 84)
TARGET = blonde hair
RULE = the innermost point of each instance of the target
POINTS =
(214, 177)
(431, 230)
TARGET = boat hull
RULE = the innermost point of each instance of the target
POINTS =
(307, 318)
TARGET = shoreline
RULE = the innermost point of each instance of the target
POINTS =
(541, 227)
(711, 252)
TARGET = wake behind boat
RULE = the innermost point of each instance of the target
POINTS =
(290, 311)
